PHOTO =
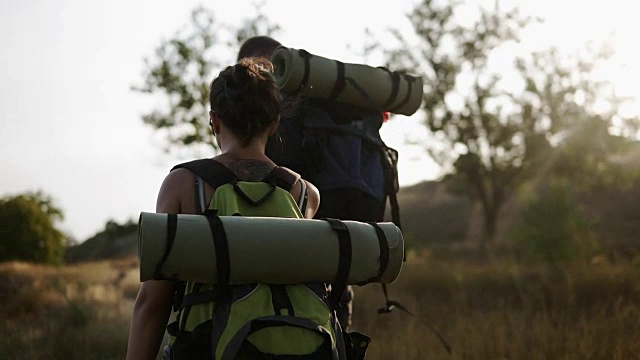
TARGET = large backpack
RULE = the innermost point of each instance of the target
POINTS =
(336, 145)
(256, 321)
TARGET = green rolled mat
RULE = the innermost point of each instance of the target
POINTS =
(265, 249)
(319, 77)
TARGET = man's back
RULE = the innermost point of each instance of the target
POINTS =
(337, 147)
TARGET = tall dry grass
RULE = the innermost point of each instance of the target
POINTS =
(504, 310)
(74, 312)
(486, 310)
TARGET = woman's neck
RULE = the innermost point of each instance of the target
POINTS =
(249, 166)
(244, 152)
(230, 144)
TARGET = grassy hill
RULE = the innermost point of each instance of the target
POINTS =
(432, 216)
(114, 242)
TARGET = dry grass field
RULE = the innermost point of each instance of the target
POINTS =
(486, 310)
(74, 312)
(506, 311)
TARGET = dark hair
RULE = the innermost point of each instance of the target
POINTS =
(258, 46)
(246, 97)
(264, 46)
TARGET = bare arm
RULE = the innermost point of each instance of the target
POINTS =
(153, 304)
(150, 316)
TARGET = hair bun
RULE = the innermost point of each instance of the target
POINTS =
(248, 96)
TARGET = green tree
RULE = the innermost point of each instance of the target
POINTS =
(28, 231)
(181, 68)
(491, 136)
(553, 227)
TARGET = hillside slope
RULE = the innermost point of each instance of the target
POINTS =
(429, 214)
(115, 242)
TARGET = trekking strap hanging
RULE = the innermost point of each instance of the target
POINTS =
(389, 163)
(392, 304)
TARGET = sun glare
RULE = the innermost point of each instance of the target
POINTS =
(572, 24)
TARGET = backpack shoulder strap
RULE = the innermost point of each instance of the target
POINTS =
(286, 178)
(211, 171)
(282, 177)
(216, 174)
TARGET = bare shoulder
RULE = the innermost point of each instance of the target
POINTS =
(174, 191)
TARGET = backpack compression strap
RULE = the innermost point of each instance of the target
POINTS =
(344, 261)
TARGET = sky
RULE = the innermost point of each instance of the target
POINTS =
(70, 124)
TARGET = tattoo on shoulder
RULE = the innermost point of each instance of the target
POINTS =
(251, 170)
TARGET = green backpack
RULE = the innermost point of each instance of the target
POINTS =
(256, 321)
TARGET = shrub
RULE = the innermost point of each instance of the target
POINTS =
(28, 231)
(553, 227)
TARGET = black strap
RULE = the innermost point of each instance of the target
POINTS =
(392, 304)
(223, 264)
(410, 80)
(344, 261)
(212, 171)
(305, 78)
(364, 94)
(184, 315)
(201, 201)
(282, 177)
(249, 200)
(216, 174)
(304, 197)
(340, 81)
(178, 294)
(280, 300)
(199, 297)
(392, 186)
(383, 243)
(240, 338)
(395, 86)
(172, 223)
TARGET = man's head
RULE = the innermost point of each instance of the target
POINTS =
(258, 46)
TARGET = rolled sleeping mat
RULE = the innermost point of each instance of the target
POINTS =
(266, 249)
(355, 84)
